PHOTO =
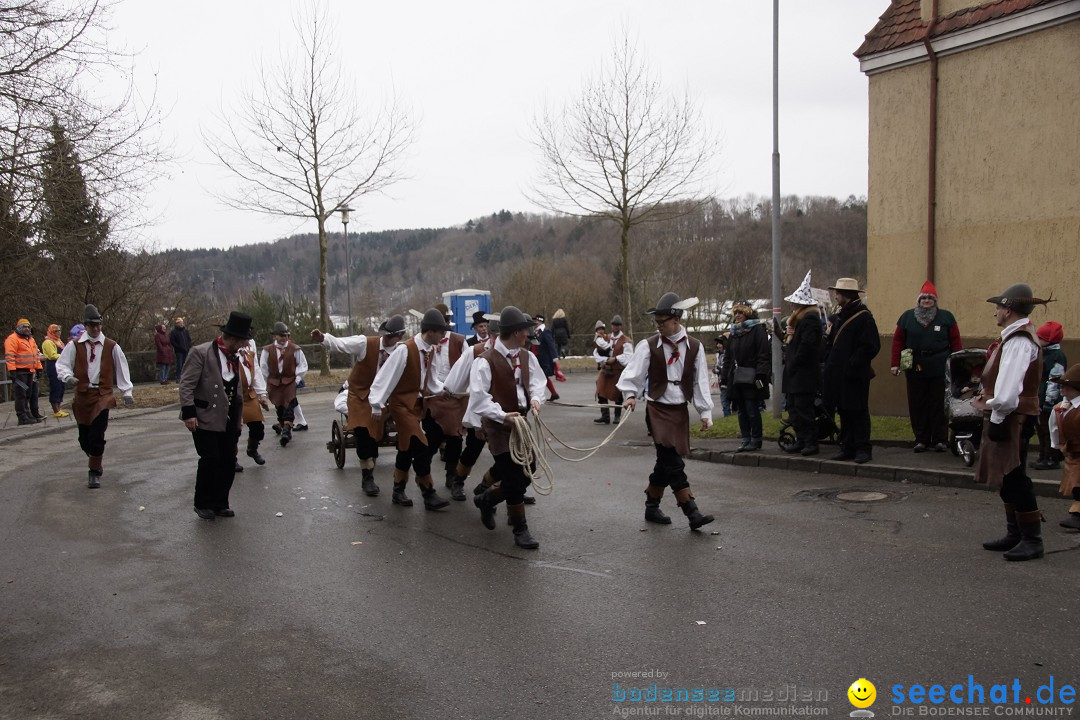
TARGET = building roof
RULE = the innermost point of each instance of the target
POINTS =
(902, 23)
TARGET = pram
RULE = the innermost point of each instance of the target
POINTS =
(826, 427)
(963, 371)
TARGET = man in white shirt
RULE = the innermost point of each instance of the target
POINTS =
(506, 384)
(1010, 402)
(91, 365)
(621, 350)
(675, 367)
(366, 365)
(283, 365)
(400, 386)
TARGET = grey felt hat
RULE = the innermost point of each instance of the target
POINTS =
(280, 328)
(433, 320)
(91, 314)
(511, 319)
(394, 325)
(1019, 298)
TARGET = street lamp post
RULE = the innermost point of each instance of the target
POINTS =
(348, 285)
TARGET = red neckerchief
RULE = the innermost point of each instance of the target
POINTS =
(515, 364)
(93, 348)
(231, 359)
(438, 348)
(674, 348)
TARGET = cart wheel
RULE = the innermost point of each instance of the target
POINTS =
(786, 439)
(954, 447)
(339, 444)
(967, 451)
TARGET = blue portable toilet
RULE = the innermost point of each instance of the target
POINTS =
(463, 303)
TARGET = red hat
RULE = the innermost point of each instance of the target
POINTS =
(1051, 332)
(928, 289)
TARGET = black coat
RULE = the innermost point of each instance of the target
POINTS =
(547, 352)
(850, 348)
(560, 330)
(802, 361)
(750, 349)
(180, 340)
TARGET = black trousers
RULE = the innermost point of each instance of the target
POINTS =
(26, 394)
(285, 413)
(473, 447)
(437, 436)
(669, 470)
(855, 430)
(1016, 487)
(801, 411)
(926, 408)
(217, 467)
(511, 478)
(417, 457)
(256, 433)
(366, 447)
(92, 436)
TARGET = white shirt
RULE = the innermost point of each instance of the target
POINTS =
(65, 365)
(482, 405)
(632, 382)
(1013, 361)
(341, 401)
(442, 358)
(251, 377)
(623, 357)
(459, 381)
(1056, 441)
(356, 345)
(390, 373)
(301, 362)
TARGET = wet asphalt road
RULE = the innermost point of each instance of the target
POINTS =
(121, 603)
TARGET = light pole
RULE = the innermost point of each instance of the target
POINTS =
(348, 285)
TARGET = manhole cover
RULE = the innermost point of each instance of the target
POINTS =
(861, 496)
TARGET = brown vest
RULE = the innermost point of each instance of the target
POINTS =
(1069, 432)
(456, 347)
(503, 387)
(360, 379)
(1029, 393)
(89, 402)
(281, 386)
(252, 411)
(658, 377)
(405, 404)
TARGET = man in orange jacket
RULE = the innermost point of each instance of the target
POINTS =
(24, 365)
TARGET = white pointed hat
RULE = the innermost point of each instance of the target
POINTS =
(802, 296)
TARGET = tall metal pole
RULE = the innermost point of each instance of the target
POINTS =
(777, 343)
(348, 284)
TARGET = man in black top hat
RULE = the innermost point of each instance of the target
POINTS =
(480, 328)
(93, 365)
(212, 408)
(1010, 402)
(674, 367)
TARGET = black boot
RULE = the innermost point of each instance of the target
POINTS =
(449, 478)
(654, 514)
(432, 499)
(238, 467)
(457, 489)
(93, 480)
(690, 510)
(1030, 546)
(286, 435)
(1012, 533)
(487, 501)
(253, 453)
(809, 450)
(485, 483)
(367, 484)
(605, 417)
(618, 415)
(522, 538)
(399, 497)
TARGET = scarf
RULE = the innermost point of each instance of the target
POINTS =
(740, 329)
(54, 334)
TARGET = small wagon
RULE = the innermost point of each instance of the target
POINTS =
(343, 439)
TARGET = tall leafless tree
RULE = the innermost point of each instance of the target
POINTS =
(625, 151)
(302, 143)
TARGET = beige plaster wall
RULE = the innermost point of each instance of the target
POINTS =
(1008, 180)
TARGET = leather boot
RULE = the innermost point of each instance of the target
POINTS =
(487, 501)
(92, 480)
(605, 417)
(253, 453)
(93, 477)
(367, 483)
(457, 487)
(653, 513)
(286, 433)
(485, 483)
(432, 499)
(690, 509)
(618, 414)
(399, 497)
(1030, 546)
(522, 538)
(449, 477)
(1012, 533)
(237, 467)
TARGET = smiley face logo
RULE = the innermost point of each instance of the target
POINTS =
(862, 693)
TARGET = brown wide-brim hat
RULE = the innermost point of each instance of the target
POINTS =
(847, 284)
(1071, 377)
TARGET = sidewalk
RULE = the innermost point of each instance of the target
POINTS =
(891, 461)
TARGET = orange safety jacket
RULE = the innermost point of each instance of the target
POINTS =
(21, 353)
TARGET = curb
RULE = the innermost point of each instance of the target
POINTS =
(893, 473)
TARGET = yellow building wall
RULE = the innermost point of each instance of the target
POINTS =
(1008, 185)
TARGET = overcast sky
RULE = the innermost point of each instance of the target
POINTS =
(476, 72)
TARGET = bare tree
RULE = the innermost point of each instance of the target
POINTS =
(624, 151)
(301, 144)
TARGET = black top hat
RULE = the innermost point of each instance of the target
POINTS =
(239, 325)
(91, 314)
(666, 306)
(394, 325)
(433, 320)
(511, 319)
(478, 318)
(538, 317)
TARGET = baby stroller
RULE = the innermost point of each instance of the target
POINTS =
(963, 372)
(826, 427)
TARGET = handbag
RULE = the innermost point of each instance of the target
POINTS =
(907, 359)
(744, 376)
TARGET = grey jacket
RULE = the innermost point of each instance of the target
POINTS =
(202, 392)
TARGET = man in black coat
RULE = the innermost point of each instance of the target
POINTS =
(852, 344)
(181, 344)
(547, 352)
